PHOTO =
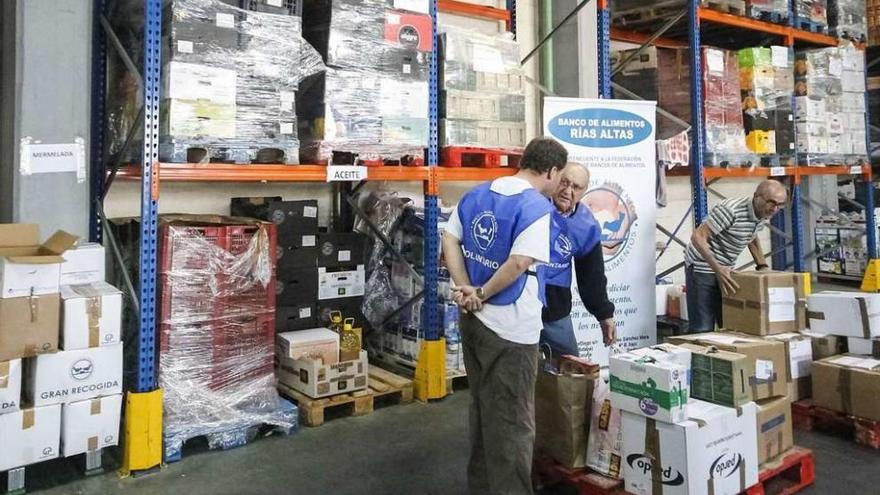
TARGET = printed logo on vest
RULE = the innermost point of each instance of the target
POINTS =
(484, 228)
(563, 246)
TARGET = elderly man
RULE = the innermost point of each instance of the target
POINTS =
(495, 237)
(574, 235)
(717, 243)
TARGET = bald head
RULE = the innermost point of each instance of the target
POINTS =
(572, 186)
(770, 197)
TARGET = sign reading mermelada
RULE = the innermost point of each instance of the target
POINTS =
(615, 140)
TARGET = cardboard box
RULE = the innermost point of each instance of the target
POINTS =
(320, 344)
(800, 388)
(10, 386)
(318, 380)
(714, 451)
(847, 314)
(849, 384)
(720, 376)
(799, 351)
(770, 361)
(90, 425)
(29, 436)
(765, 303)
(666, 352)
(348, 283)
(29, 326)
(70, 376)
(92, 315)
(28, 268)
(865, 347)
(655, 388)
(83, 264)
(825, 346)
(775, 436)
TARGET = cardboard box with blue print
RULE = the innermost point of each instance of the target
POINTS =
(775, 435)
(29, 436)
(713, 451)
(650, 383)
(766, 303)
(10, 386)
(71, 376)
(27, 267)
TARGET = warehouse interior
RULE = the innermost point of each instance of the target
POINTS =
(219, 185)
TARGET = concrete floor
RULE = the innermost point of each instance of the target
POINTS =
(396, 450)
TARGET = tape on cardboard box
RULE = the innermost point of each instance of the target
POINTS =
(95, 407)
(4, 374)
(93, 444)
(27, 419)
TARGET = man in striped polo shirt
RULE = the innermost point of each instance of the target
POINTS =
(715, 246)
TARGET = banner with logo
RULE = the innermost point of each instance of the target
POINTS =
(615, 140)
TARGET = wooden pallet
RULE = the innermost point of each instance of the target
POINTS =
(464, 156)
(735, 7)
(547, 472)
(220, 152)
(787, 474)
(390, 386)
(755, 12)
(311, 411)
(808, 417)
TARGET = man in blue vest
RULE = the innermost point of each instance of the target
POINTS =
(574, 235)
(495, 238)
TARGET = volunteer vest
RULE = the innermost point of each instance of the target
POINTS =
(574, 235)
(490, 223)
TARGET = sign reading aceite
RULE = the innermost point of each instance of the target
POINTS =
(346, 173)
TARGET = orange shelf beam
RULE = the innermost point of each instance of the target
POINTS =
(719, 172)
(469, 9)
(816, 38)
(639, 38)
(448, 174)
(217, 172)
(865, 170)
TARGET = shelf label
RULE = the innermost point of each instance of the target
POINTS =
(38, 158)
(777, 171)
(855, 169)
(346, 173)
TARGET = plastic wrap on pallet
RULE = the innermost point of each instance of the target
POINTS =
(847, 19)
(830, 86)
(229, 81)
(483, 98)
(776, 10)
(814, 11)
(725, 135)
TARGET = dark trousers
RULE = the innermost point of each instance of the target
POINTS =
(703, 301)
(501, 378)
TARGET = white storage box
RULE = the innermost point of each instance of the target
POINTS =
(83, 264)
(29, 436)
(10, 386)
(317, 380)
(91, 315)
(27, 267)
(714, 451)
(650, 386)
(847, 314)
(71, 376)
(90, 425)
(316, 343)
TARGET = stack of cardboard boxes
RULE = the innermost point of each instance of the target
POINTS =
(847, 20)
(766, 84)
(725, 135)
(60, 348)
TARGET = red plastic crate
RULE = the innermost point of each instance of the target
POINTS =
(243, 351)
(181, 246)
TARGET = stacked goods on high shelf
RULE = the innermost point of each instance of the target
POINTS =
(847, 20)
(60, 348)
(371, 103)
(317, 272)
(830, 100)
(766, 85)
(769, 10)
(662, 75)
(811, 15)
(723, 112)
(229, 81)
(482, 102)
(216, 327)
(640, 13)
(841, 242)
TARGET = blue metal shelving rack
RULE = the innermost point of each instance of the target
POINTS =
(699, 171)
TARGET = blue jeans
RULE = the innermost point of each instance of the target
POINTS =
(703, 301)
(559, 335)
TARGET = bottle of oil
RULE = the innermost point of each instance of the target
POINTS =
(336, 321)
(349, 341)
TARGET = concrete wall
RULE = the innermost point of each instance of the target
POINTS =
(46, 89)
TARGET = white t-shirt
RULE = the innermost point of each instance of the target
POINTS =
(519, 322)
